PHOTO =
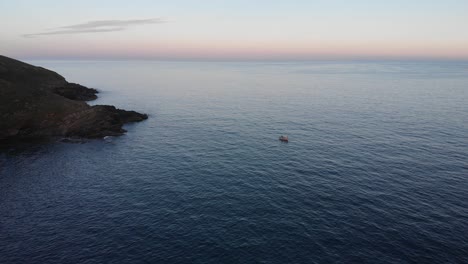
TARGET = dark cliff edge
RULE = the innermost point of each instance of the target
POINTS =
(39, 103)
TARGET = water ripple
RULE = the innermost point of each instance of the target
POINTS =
(375, 171)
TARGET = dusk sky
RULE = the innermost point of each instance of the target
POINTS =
(235, 29)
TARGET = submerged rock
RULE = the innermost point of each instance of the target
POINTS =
(39, 103)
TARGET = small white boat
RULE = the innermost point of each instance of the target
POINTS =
(284, 138)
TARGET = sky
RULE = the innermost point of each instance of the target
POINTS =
(235, 29)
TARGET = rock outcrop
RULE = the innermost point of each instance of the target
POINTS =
(39, 103)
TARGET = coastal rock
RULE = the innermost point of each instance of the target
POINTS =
(39, 103)
(100, 121)
(74, 91)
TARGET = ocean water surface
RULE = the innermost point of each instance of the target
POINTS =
(376, 170)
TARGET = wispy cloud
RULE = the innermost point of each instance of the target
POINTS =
(96, 27)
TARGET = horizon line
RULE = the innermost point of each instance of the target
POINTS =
(188, 59)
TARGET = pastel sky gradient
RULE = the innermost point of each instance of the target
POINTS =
(235, 29)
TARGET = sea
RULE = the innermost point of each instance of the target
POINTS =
(375, 170)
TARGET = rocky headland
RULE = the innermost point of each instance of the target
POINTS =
(39, 103)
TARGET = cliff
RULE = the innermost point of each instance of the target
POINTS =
(39, 103)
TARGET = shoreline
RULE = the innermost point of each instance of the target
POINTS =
(36, 103)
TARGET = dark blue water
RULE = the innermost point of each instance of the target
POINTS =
(376, 170)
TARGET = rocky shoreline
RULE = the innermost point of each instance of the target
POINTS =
(36, 103)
